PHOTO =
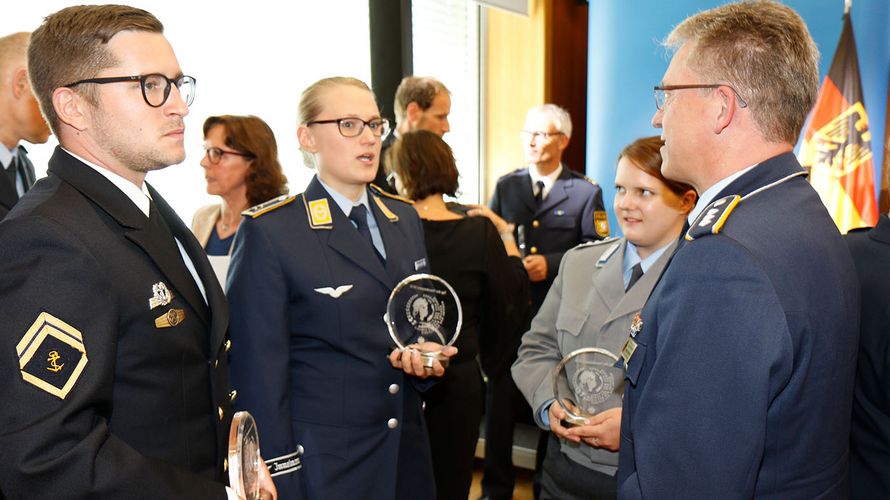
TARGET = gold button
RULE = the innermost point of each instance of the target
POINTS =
(220, 412)
(216, 364)
(536, 223)
(392, 423)
(228, 345)
(225, 464)
(233, 395)
(394, 389)
(534, 250)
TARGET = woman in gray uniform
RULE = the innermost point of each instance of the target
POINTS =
(601, 286)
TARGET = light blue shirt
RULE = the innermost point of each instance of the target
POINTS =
(631, 257)
(6, 157)
(346, 205)
(708, 196)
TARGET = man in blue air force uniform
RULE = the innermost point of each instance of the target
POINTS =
(553, 209)
(740, 368)
(308, 298)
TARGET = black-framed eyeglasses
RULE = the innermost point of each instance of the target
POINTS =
(353, 127)
(660, 92)
(216, 154)
(528, 135)
(155, 86)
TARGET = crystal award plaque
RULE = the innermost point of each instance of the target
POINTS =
(587, 382)
(244, 458)
(424, 308)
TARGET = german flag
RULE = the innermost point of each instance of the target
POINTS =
(837, 142)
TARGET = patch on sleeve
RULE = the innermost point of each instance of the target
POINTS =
(292, 462)
(601, 223)
(52, 355)
(712, 218)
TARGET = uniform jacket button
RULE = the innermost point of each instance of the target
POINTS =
(534, 250)
(536, 223)
(233, 395)
(228, 345)
(219, 408)
(394, 388)
(392, 423)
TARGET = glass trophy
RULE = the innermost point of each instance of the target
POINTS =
(424, 308)
(587, 382)
(245, 462)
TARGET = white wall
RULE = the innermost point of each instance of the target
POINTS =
(249, 57)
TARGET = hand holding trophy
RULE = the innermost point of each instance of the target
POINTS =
(424, 309)
(587, 382)
(248, 475)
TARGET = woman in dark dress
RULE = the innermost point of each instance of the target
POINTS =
(484, 268)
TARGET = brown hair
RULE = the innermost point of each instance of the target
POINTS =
(420, 89)
(252, 136)
(765, 52)
(424, 164)
(311, 106)
(645, 154)
(71, 45)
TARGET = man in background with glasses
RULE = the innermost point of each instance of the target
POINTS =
(552, 209)
(740, 366)
(113, 341)
(20, 119)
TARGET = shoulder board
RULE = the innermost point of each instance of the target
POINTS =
(582, 176)
(257, 210)
(713, 217)
(594, 243)
(377, 190)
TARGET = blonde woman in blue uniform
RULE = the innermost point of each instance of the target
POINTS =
(309, 281)
(599, 289)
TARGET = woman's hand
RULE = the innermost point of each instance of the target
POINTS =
(602, 431)
(483, 211)
(410, 361)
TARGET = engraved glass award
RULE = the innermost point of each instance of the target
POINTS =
(244, 458)
(424, 308)
(587, 382)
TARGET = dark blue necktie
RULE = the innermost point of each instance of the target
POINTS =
(636, 272)
(359, 216)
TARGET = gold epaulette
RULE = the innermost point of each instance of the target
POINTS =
(267, 206)
(381, 192)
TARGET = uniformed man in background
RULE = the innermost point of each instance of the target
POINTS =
(553, 209)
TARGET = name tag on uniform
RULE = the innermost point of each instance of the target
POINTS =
(628, 350)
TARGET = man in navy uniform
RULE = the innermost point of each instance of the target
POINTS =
(869, 432)
(553, 209)
(20, 119)
(739, 369)
(113, 340)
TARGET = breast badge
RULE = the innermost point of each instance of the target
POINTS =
(170, 318)
(161, 295)
(52, 355)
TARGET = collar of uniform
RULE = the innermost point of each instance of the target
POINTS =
(548, 179)
(137, 194)
(343, 202)
(632, 256)
(6, 155)
(708, 196)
